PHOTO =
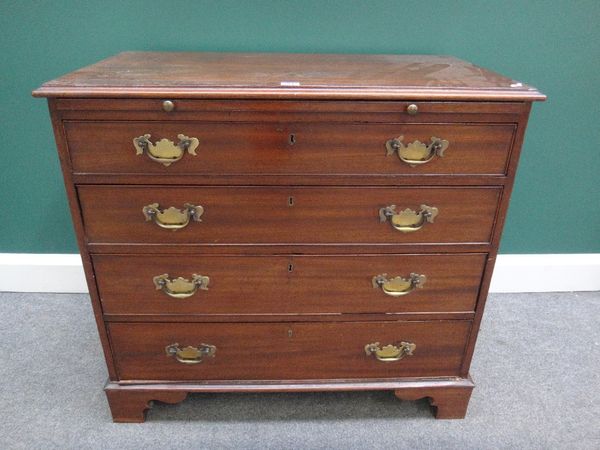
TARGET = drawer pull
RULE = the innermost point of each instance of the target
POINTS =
(168, 106)
(390, 353)
(189, 354)
(398, 286)
(412, 109)
(173, 218)
(408, 220)
(416, 153)
(165, 151)
(180, 287)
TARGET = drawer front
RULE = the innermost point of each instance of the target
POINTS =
(288, 285)
(286, 148)
(293, 351)
(257, 215)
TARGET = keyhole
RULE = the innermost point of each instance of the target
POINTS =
(290, 201)
(290, 267)
(292, 139)
(290, 333)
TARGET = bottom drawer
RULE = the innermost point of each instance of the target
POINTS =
(287, 351)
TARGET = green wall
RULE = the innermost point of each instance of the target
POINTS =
(553, 45)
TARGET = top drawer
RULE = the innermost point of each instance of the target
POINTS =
(288, 148)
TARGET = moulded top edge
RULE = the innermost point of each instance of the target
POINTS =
(287, 76)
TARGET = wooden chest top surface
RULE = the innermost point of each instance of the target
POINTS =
(287, 76)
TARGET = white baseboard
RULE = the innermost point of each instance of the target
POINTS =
(32, 272)
(547, 273)
(24, 272)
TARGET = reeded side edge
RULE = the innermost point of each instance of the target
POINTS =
(77, 218)
(329, 93)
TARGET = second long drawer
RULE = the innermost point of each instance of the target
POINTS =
(287, 215)
(242, 285)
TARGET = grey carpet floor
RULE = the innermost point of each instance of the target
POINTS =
(536, 366)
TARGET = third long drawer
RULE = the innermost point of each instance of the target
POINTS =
(250, 285)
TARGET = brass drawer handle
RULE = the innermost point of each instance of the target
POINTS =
(398, 286)
(173, 218)
(180, 287)
(189, 354)
(416, 153)
(165, 151)
(390, 353)
(408, 220)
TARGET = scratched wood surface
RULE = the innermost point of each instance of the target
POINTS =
(239, 75)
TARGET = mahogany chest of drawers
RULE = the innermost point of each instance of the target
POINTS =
(273, 222)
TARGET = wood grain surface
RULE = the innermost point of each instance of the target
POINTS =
(277, 75)
(288, 148)
(256, 215)
(279, 351)
(254, 285)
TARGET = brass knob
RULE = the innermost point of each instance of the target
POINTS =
(412, 109)
(168, 106)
